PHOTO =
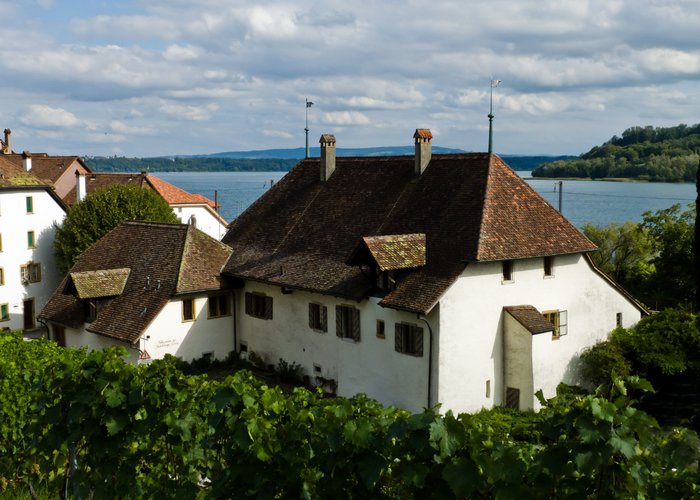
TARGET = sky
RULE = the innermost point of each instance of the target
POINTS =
(168, 77)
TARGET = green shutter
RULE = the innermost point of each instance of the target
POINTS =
(339, 315)
(30, 205)
(417, 340)
(30, 239)
(4, 314)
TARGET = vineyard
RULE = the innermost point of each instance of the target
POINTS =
(76, 424)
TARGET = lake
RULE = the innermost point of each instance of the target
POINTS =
(599, 202)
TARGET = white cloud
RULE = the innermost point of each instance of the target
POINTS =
(123, 128)
(188, 112)
(345, 118)
(277, 133)
(43, 116)
(273, 22)
(181, 53)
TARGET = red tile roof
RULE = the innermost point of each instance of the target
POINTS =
(471, 207)
(176, 196)
(45, 167)
(530, 318)
(391, 252)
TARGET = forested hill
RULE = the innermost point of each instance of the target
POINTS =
(646, 153)
(259, 164)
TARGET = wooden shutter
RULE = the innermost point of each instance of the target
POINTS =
(312, 314)
(355, 329)
(249, 303)
(563, 323)
(324, 318)
(339, 315)
(398, 337)
(417, 340)
(268, 308)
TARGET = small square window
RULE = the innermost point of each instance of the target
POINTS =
(30, 205)
(318, 317)
(317, 369)
(512, 398)
(219, 306)
(618, 319)
(243, 347)
(30, 239)
(507, 269)
(30, 273)
(548, 267)
(408, 339)
(559, 320)
(381, 333)
(188, 313)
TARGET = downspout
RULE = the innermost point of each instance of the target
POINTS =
(430, 357)
(235, 321)
(48, 332)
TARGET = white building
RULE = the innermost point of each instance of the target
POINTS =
(152, 288)
(28, 211)
(419, 280)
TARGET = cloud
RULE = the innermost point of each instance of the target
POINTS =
(42, 116)
(188, 112)
(123, 128)
(277, 133)
(345, 118)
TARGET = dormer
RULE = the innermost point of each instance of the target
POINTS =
(93, 287)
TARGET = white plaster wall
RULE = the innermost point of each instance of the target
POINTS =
(370, 366)
(207, 220)
(517, 351)
(471, 345)
(14, 224)
(168, 334)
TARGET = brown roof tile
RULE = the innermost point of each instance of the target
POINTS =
(165, 259)
(391, 252)
(530, 318)
(100, 283)
(176, 196)
(471, 207)
(48, 168)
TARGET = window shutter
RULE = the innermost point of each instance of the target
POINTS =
(268, 307)
(563, 323)
(339, 321)
(398, 338)
(248, 303)
(312, 324)
(324, 318)
(417, 340)
(355, 315)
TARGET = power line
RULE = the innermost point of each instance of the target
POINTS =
(623, 196)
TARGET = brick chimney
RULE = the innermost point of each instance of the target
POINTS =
(6, 146)
(422, 138)
(327, 156)
(80, 187)
(26, 160)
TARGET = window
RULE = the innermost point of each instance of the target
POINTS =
(347, 322)
(408, 339)
(188, 313)
(559, 320)
(30, 205)
(512, 398)
(219, 306)
(507, 270)
(30, 239)
(30, 272)
(2, 276)
(258, 305)
(89, 311)
(4, 312)
(548, 267)
(380, 329)
(318, 317)
(618, 319)
(0, 242)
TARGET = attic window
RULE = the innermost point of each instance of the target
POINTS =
(90, 311)
(507, 269)
(548, 267)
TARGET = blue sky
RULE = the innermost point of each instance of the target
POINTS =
(157, 77)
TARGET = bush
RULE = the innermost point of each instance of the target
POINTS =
(604, 361)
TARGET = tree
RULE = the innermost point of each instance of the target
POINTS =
(87, 221)
(696, 241)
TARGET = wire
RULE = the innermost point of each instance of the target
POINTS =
(623, 196)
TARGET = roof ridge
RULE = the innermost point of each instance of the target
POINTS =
(484, 201)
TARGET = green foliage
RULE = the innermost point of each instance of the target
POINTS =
(87, 221)
(605, 361)
(123, 164)
(95, 427)
(647, 153)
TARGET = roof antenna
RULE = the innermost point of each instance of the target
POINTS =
(494, 83)
(306, 129)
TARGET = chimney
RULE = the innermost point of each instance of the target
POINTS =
(6, 146)
(327, 156)
(80, 188)
(423, 149)
(27, 160)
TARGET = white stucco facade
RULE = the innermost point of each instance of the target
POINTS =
(16, 221)
(207, 220)
(471, 359)
(168, 333)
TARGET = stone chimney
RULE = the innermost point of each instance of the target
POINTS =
(27, 160)
(422, 138)
(80, 187)
(6, 146)
(327, 156)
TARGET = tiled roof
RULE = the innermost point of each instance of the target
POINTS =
(391, 252)
(530, 318)
(165, 260)
(471, 207)
(13, 175)
(176, 196)
(45, 167)
(100, 283)
(423, 133)
(100, 180)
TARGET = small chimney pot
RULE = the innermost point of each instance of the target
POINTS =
(6, 146)
(27, 160)
(80, 187)
(423, 138)
(327, 142)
